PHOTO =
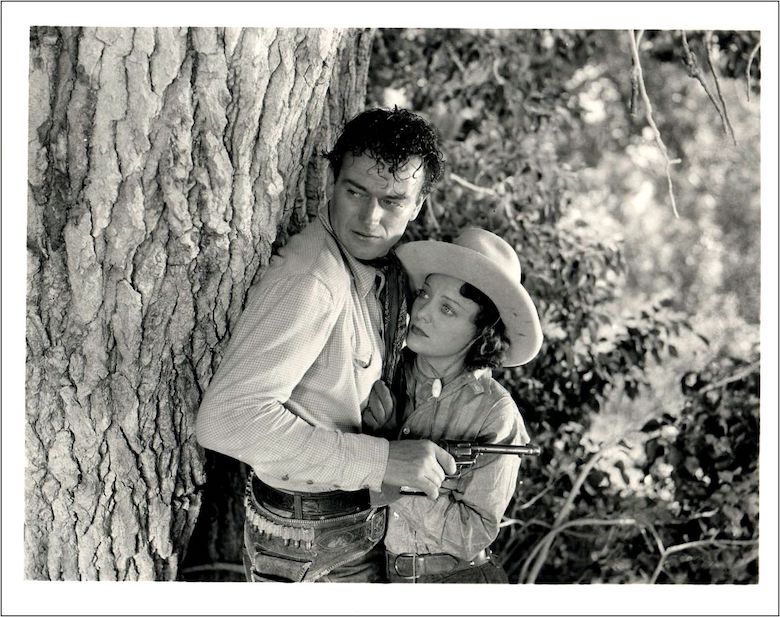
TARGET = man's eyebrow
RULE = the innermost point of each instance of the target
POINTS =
(357, 185)
(392, 196)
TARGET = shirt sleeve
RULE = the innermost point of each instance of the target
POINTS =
(463, 521)
(280, 334)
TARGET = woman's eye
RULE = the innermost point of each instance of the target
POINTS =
(421, 293)
(447, 309)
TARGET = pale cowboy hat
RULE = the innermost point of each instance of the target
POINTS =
(490, 264)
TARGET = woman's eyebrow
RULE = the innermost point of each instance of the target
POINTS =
(453, 300)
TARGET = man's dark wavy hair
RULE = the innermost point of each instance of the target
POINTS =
(391, 136)
(489, 350)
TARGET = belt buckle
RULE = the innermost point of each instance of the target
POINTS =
(414, 558)
(376, 524)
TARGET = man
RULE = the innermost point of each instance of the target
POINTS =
(317, 331)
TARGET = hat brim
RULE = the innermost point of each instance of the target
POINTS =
(515, 306)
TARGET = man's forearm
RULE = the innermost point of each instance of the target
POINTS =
(283, 448)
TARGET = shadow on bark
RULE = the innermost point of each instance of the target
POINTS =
(214, 551)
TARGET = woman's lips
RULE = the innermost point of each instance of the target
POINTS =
(417, 331)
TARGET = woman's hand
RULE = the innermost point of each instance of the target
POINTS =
(379, 414)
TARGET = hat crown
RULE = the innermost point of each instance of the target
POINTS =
(492, 247)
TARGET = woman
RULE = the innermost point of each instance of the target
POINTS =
(470, 314)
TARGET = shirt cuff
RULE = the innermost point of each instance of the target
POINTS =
(373, 460)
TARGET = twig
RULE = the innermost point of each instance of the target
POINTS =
(472, 187)
(700, 515)
(528, 504)
(751, 556)
(536, 497)
(649, 116)
(750, 65)
(499, 79)
(516, 521)
(659, 543)
(454, 56)
(547, 539)
(634, 104)
(677, 548)
(724, 109)
(732, 378)
(542, 548)
(693, 71)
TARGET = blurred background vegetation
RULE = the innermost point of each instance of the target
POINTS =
(645, 395)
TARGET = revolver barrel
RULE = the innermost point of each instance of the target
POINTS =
(530, 449)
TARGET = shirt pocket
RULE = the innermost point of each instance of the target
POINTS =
(362, 355)
(360, 339)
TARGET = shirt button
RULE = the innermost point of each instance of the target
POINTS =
(395, 514)
(285, 477)
(406, 430)
(309, 481)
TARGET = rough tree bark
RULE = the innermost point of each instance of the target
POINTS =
(163, 166)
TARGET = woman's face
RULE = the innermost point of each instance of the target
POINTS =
(442, 321)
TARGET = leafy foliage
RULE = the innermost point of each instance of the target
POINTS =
(528, 117)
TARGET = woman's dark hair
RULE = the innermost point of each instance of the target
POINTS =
(392, 137)
(489, 350)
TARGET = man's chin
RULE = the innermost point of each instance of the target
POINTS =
(367, 253)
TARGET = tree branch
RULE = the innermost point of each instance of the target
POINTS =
(649, 115)
(693, 70)
(750, 65)
(550, 536)
(659, 543)
(516, 521)
(692, 65)
(732, 378)
(537, 497)
(724, 109)
(542, 548)
(481, 190)
(677, 548)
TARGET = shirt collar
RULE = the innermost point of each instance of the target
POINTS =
(473, 379)
(364, 275)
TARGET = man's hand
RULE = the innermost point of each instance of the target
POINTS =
(419, 464)
(379, 415)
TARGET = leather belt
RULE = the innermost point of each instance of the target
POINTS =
(410, 565)
(309, 506)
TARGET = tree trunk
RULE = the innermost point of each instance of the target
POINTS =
(163, 166)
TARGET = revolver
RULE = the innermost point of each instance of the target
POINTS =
(466, 453)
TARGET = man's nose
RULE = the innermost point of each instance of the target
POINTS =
(371, 212)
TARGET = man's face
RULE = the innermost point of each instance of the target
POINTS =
(370, 207)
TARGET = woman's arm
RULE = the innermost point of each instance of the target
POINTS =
(465, 520)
